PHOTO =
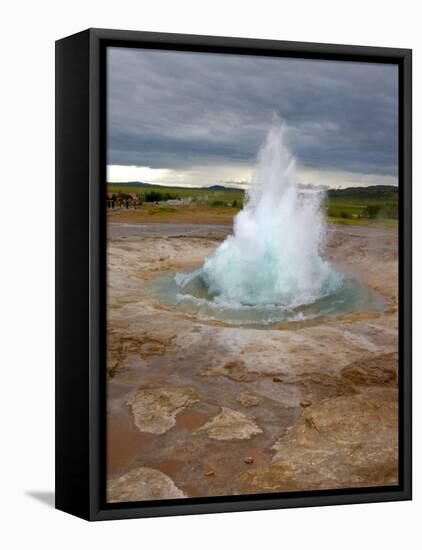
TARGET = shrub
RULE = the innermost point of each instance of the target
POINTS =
(153, 196)
(217, 203)
(372, 211)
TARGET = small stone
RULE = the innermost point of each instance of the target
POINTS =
(249, 460)
(277, 379)
(209, 473)
(305, 403)
(248, 400)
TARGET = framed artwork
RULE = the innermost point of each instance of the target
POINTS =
(233, 244)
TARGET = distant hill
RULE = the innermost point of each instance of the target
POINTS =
(132, 184)
(143, 184)
(223, 188)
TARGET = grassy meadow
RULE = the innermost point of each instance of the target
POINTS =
(376, 205)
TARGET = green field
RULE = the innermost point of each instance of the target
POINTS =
(227, 196)
(376, 204)
(365, 205)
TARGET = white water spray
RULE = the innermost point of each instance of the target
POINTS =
(274, 255)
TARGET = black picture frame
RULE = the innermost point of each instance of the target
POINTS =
(81, 273)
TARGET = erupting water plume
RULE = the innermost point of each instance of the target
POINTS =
(274, 255)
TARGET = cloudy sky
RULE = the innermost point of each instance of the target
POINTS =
(198, 119)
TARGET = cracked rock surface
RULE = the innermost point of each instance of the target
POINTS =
(294, 406)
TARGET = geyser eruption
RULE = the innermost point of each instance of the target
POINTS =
(274, 256)
(271, 269)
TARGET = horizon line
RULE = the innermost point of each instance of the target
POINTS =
(234, 186)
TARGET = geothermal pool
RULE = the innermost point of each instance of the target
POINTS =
(193, 298)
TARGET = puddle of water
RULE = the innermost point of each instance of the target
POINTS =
(124, 443)
(190, 420)
(170, 467)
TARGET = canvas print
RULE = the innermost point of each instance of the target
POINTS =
(252, 275)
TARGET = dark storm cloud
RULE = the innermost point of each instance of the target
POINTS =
(179, 110)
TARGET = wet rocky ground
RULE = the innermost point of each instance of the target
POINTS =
(203, 408)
